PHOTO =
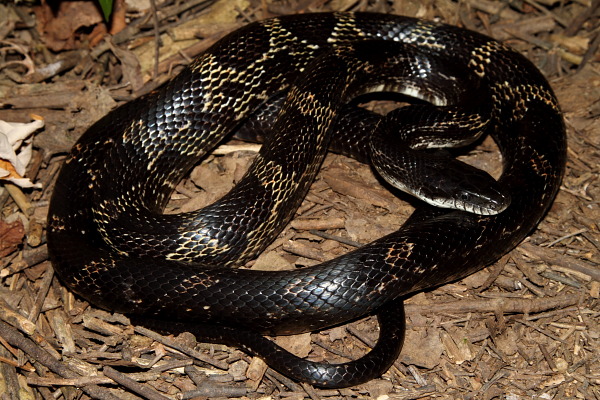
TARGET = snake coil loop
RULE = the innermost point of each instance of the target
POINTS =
(110, 244)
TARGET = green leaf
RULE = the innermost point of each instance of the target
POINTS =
(106, 6)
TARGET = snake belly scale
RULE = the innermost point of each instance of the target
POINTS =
(110, 244)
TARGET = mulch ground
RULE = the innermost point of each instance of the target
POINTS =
(526, 327)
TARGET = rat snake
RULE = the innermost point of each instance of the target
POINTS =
(110, 244)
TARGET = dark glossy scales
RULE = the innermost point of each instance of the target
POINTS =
(110, 244)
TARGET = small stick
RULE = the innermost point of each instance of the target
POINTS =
(496, 270)
(565, 55)
(528, 271)
(303, 251)
(547, 356)
(579, 20)
(561, 278)
(340, 239)
(16, 339)
(312, 393)
(592, 49)
(507, 305)
(320, 224)
(43, 292)
(178, 346)
(124, 380)
(544, 10)
(560, 239)
(540, 330)
(210, 391)
(15, 319)
(77, 382)
(553, 258)
(566, 310)
(19, 197)
(158, 41)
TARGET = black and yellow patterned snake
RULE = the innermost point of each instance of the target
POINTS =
(111, 244)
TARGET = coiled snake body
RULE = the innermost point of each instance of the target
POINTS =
(110, 244)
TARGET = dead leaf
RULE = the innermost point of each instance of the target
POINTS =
(271, 261)
(9, 170)
(11, 236)
(60, 27)
(16, 149)
(118, 18)
(422, 348)
(137, 5)
(339, 332)
(379, 388)
(574, 44)
(130, 65)
(507, 341)
(238, 370)
(296, 344)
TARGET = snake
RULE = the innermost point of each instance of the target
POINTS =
(110, 242)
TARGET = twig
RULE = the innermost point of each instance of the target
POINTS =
(312, 393)
(318, 224)
(77, 382)
(42, 293)
(172, 11)
(547, 12)
(16, 339)
(547, 356)
(540, 330)
(590, 52)
(19, 197)
(561, 278)
(143, 390)
(340, 239)
(178, 346)
(560, 239)
(303, 250)
(495, 272)
(212, 391)
(157, 39)
(565, 55)
(551, 257)
(578, 21)
(15, 319)
(507, 305)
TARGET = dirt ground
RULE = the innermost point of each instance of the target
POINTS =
(527, 327)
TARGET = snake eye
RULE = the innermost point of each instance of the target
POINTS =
(465, 197)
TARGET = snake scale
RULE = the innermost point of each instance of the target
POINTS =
(110, 243)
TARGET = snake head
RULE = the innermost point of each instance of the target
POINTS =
(436, 178)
